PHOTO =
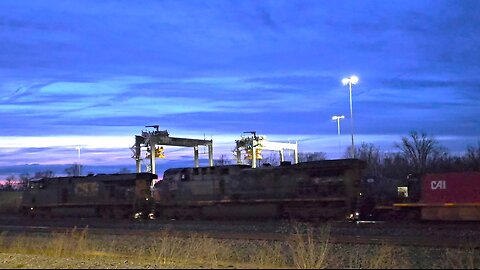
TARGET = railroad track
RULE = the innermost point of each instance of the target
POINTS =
(417, 241)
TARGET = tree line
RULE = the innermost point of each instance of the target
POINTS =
(417, 153)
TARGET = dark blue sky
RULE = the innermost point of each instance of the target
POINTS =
(94, 73)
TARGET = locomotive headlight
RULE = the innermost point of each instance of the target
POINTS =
(354, 216)
(31, 208)
(146, 199)
(138, 215)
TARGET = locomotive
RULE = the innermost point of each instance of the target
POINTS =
(104, 195)
(327, 189)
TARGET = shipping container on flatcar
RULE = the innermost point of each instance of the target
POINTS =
(451, 196)
(326, 189)
(104, 195)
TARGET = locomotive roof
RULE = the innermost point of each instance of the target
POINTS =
(317, 163)
(99, 176)
(218, 166)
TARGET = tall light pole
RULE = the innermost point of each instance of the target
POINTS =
(78, 161)
(337, 118)
(350, 81)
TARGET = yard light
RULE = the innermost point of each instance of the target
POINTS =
(350, 81)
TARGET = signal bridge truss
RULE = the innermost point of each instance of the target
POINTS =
(254, 145)
(150, 140)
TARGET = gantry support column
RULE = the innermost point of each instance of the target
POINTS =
(195, 156)
(138, 153)
(282, 156)
(138, 165)
(152, 158)
(210, 155)
(239, 156)
(254, 157)
(295, 154)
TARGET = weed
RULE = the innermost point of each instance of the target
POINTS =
(308, 251)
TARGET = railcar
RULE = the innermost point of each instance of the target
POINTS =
(101, 195)
(453, 196)
(327, 189)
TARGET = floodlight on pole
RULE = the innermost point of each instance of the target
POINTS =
(337, 118)
(350, 81)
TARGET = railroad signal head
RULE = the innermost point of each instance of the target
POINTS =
(159, 153)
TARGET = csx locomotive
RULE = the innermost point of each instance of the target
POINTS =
(327, 189)
(104, 195)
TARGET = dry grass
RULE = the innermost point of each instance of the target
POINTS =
(305, 249)
(379, 257)
(462, 259)
(309, 251)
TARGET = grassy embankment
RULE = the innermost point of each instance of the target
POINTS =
(77, 248)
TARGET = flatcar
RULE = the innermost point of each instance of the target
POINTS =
(327, 189)
(453, 196)
(101, 195)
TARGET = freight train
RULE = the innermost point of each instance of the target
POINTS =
(317, 190)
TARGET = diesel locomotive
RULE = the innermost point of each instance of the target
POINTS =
(327, 189)
(101, 195)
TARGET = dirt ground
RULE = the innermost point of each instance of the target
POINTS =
(22, 261)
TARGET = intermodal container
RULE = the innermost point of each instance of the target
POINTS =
(451, 188)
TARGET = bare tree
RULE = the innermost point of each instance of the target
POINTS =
(472, 158)
(74, 170)
(417, 149)
(124, 170)
(24, 179)
(222, 160)
(9, 183)
(311, 156)
(272, 159)
(395, 166)
(372, 156)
